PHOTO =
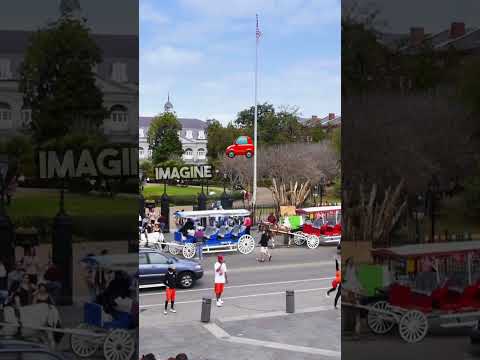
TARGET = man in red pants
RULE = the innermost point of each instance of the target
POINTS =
(220, 279)
(171, 284)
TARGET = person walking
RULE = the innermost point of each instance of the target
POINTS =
(336, 284)
(199, 238)
(220, 279)
(248, 224)
(264, 246)
(171, 284)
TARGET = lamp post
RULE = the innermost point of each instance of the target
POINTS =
(433, 187)
(322, 190)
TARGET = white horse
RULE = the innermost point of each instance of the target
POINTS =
(27, 322)
(154, 240)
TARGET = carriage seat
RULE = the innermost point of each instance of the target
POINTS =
(209, 232)
(404, 297)
(236, 230)
(223, 231)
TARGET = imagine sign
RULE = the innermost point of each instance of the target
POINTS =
(106, 162)
(184, 172)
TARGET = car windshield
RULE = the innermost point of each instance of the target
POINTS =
(242, 140)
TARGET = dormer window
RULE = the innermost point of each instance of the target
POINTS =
(119, 72)
(5, 71)
(201, 135)
(189, 134)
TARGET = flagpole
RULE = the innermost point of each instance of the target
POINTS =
(254, 198)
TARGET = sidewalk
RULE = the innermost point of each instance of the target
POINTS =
(279, 337)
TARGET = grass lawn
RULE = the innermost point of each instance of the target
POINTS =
(153, 190)
(46, 204)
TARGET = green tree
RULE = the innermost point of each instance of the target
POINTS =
(58, 82)
(163, 139)
(336, 138)
(245, 118)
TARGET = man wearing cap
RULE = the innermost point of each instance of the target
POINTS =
(220, 279)
(170, 283)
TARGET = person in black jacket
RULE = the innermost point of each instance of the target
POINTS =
(171, 284)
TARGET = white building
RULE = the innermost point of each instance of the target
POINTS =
(116, 76)
(192, 136)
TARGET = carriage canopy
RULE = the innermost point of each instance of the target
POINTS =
(213, 213)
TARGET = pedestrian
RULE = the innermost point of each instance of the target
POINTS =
(171, 284)
(149, 356)
(353, 291)
(264, 246)
(199, 237)
(248, 224)
(181, 356)
(336, 284)
(220, 279)
(272, 219)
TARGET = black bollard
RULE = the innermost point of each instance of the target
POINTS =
(290, 301)
(206, 309)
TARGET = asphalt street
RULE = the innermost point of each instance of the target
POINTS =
(253, 323)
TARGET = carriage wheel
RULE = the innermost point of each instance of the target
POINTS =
(188, 251)
(84, 346)
(380, 323)
(299, 238)
(413, 326)
(246, 244)
(313, 241)
(174, 250)
(119, 345)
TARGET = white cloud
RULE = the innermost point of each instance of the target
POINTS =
(149, 13)
(171, 56)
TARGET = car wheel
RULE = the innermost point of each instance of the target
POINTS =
(186, 280)
(231, 154)
(248, 154)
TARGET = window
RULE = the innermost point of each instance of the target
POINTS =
(119, 72)
(150, 153)
(141, 132)
(156, 258)
(141, 152)
(201, 135)
(119, 117)
(5, 72)
(189, 134)
(201, 153)
(188, 153)
(5, 116)
(26, 116)
(142, 259)
(242, 140)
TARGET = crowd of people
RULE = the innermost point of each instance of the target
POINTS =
(29, 282)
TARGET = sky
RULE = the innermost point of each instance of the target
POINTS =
(202, 52)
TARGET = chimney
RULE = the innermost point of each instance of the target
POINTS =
(457, 29)
(331, 116)
(417, 35)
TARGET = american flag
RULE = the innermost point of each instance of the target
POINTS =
(258, 32)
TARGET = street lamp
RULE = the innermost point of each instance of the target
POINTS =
(433, 187)
(322, 190)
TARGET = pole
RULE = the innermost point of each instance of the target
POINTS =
(255, 152)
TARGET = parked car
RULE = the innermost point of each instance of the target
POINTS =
(153, 265)
(242, 146)
(23, 350)
(475, 334)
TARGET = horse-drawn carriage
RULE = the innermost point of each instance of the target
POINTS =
(224, 231)
(110, 322)
(431, 285)
(313, 226)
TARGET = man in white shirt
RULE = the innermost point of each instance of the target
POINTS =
(220, 279)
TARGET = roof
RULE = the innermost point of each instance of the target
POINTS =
(318, 209)
(429, 249)
(112, 45)
(187, 123)
(470, 40)
(212, 213)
